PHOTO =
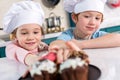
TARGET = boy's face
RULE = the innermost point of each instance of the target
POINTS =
(88, 22)
(29, 36)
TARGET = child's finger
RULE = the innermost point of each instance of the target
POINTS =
(53, 47)
(73, 46)
(60, 56)
(66, 54)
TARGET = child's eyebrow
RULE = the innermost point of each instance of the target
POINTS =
(23, 30)
(37, 29)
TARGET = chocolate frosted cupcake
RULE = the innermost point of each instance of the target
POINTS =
(75, 67)
(43, 70)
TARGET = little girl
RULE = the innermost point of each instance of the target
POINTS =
(24, 24)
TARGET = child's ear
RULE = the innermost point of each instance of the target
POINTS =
(74, 17)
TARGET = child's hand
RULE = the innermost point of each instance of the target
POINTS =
(43, 46)
(72, 45)
(30, 59)
(56, 45)
(63, 50)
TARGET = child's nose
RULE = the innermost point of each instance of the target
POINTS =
(92, 21)
(30, 37)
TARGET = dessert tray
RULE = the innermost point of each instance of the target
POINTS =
(93, 74)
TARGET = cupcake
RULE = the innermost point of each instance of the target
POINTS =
(43, 70)
(75, 67)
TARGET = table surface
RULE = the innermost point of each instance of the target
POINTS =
(106, 59)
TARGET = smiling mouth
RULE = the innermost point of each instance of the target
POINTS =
(30, 43)
(90, 28)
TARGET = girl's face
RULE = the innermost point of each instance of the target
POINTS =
(29, 36)
(87, 22)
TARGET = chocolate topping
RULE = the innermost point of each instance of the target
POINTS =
(80, 54)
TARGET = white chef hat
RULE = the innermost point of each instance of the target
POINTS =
(78, 6)
(23, 12)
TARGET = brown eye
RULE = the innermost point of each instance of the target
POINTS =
(36, 32)
(24, 33)
(86, 16)
(97, 18)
